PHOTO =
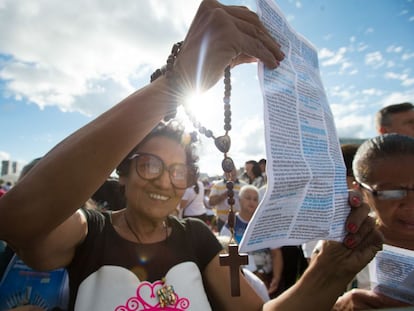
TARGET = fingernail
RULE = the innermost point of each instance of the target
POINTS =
(352, 228)
(356, 201)
(350, 242)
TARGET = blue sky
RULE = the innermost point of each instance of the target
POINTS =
(63, 63)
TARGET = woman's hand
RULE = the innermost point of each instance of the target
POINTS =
(362, 299)
(360, 244)
(220, 36)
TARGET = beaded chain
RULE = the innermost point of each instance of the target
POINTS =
(233, 260)
(168, 71)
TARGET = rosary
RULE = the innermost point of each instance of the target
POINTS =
(234, 260)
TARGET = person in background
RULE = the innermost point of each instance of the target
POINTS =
(110, 195)
(384, 171)
(254, 173)
(192, 202)
(115, 258)
(210, 212)
(218, 196)
(21, 287)
(398, 118)
(267, 263)
(262, 164)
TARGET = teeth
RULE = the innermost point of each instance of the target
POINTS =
(156, 196)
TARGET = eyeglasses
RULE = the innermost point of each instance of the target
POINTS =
(394, 194)
(151, 167)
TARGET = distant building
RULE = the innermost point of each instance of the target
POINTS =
(10, 171)
(348, 140)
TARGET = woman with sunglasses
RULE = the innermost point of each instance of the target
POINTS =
(384, 170)
(139, 258)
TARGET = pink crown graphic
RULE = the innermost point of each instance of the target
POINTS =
(149, 297)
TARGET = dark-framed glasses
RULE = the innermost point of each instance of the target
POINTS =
(392, 194)
(151, 167)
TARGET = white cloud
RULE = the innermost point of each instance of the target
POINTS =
(372, 92)
(64, 52)
(394, 49)
(405, 79)
(362, 47)
(407, 56)
(335, 58)
(374, 59)
(369, 30)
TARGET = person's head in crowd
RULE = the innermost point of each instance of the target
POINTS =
(398, 118)
(231, 176)
(110, 195)
(383, 167)
(144, 170)
(249, 200)
(252, 169)
(262, 164)
(348, 153)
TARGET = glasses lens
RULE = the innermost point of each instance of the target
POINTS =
(391, 194)
(179, 175)
(148, 166)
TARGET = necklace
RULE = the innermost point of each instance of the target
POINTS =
(166, 295)
(164, 224)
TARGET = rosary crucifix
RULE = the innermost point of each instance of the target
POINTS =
(233, 259)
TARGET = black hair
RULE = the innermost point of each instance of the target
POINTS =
(380, 147)
(175, 131)
(383, 116)
(256, 170)
(348, 153)
(110, 195)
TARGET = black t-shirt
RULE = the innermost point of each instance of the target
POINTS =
(98, 261)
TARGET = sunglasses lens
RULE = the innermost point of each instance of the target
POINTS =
(149, 167)
(392, 194)
(179, 175)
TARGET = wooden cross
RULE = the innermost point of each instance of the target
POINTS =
(234, 260)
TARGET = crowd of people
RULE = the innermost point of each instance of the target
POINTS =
(148, 240)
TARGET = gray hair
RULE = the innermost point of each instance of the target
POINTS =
(380, 147)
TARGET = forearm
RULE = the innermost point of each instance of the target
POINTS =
(217, 198)
(277, 264)
(316, 290)
(68, 175)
